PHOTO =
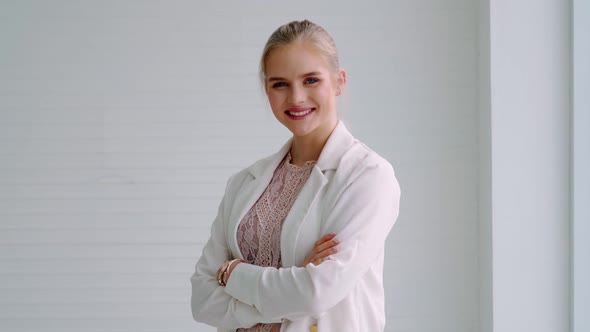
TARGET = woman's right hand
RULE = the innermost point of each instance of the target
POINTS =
(323, 248)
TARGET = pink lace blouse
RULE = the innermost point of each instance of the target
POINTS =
(259, 233)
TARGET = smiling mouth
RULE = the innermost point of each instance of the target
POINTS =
(300, 112)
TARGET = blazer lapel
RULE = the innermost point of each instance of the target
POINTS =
(316, 181)
(244, 200)
(250, 192)
(338, 142)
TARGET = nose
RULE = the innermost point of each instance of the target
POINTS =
(297, 95)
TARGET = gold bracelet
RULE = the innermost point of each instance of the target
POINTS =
(225, 275)
(223, 268)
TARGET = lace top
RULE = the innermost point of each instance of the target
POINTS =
(259, 233)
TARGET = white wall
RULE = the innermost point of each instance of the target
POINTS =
(121, 120)
(581, 167)
(485, 172)
(530, 164)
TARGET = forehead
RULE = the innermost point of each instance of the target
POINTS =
(294, 60)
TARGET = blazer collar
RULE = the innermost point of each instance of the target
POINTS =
(338, 142)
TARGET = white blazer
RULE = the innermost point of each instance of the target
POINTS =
(351, 191)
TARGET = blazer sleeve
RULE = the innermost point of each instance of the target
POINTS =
(362, 218)
(209, 303)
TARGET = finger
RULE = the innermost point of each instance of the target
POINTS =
(325, 253)
(330, 242)
(326, 245)
(319, 260)
(321, 257)
(325, 238)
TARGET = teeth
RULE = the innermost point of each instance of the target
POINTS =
(302, 113)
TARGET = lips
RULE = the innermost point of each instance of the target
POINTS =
(299, 112)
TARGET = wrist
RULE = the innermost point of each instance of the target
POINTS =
(225, 270)
(231, 266)
(220, 273)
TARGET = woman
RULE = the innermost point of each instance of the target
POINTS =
(298, 242)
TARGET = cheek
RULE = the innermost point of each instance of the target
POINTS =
(324, 96)
(274, 99)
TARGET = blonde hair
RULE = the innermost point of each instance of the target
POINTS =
(301, 31)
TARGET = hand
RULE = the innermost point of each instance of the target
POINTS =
(323, 248)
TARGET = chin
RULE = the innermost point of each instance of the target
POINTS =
(301, 131)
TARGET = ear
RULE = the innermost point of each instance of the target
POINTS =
(342, 78)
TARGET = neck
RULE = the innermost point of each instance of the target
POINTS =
(309, 147)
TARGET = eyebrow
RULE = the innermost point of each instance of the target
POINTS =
(313, 73)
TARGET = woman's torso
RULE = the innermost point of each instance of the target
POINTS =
(347, 158)
(259, 232)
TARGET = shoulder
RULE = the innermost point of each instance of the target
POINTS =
(237, 179)
(362, 173)
(360, 160)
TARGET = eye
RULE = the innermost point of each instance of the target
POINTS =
(311, 80)
(279, 84)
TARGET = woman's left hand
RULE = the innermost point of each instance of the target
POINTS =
(323, 248)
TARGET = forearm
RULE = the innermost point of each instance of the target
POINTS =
(362, 217)
(211, 305)
(295, 291)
